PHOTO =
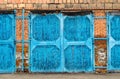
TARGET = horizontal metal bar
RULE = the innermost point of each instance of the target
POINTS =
(21, 68)
(21, 17)
(100, 67)
(100, 38)
(20, 41)
(100, 17)
(76, 43)
(21, 58)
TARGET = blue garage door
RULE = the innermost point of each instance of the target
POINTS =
(78, 38)
(7, 45)
(114, 42)
(61, 43)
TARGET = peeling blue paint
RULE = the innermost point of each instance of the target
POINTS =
(114, 42)
(60, 43)
(7, 45)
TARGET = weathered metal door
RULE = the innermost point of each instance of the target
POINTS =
(78, 48)
(114, 41)
(7, 45)
(61, 43)
(45, 52)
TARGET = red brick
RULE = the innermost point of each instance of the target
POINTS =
(116, 6)
(9, 1)
(108, 6)
(81, 1)
(1, 1)
(92, 6)
(9, 6)
(60, 6)
(118, 1)
(52, 1)
(100, 6)
(45, 6)
(25, 1)
(52, 6)
(60, 1)
(84, 6)
(68, 5)
(88, 1)
(56, 1)
(2, 6)
(32, 1)
(76, 6)
(68, 1)
(64, 1)
(28, 6)
(72, 1)
(21, 5)
(44, 1)
(76, 1)
(37, 5)
(15, 6)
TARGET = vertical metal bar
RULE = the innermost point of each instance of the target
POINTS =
(15, 37)
(93, 41)
(62, 40)
(107, 39)
(23, 11)
(29, 33)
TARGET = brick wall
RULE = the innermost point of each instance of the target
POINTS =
(60, 4)
(100, 24)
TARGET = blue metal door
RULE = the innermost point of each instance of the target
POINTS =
(114, 41)
(7, 45)
(78, 40)
(60, 43)
(45, 51)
